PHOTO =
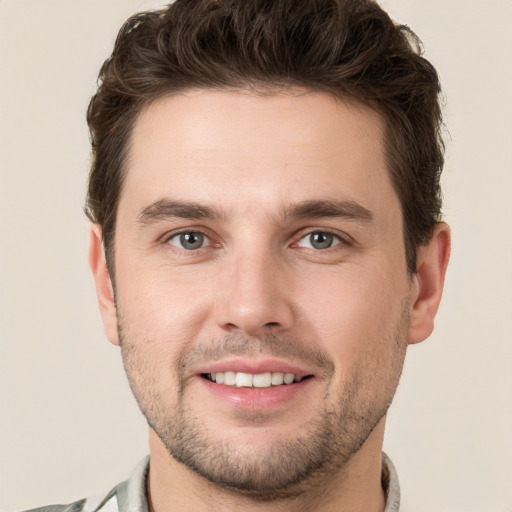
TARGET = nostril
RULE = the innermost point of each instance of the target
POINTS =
(271, 324)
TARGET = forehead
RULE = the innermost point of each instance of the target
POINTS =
(242, 149)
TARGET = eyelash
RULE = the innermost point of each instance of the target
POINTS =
(342, 240)
(167, 239)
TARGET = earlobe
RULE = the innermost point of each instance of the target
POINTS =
(428, 282)
(104, 288)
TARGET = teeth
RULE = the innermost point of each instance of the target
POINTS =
(229, 378)
(277, 379)
(243, 380)
(249, 380)
(262, 380)
(288, 378)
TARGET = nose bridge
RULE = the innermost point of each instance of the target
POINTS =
(256, 295)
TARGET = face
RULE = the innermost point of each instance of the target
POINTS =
(262, 294)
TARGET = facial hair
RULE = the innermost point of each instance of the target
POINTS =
(292, 464)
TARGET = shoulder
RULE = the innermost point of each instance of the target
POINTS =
(99, 503)
(128, 496)
(77, 506)
(104, 503)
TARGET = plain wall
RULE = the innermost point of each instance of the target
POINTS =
(68, 423)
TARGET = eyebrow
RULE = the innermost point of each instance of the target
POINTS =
(314, 209)
(346, 209)
(165, 208)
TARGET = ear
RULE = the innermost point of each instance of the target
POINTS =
(104, 288)
(428, 283)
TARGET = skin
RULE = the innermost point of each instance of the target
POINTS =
(245, 171)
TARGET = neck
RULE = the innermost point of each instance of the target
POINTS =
(356, 487)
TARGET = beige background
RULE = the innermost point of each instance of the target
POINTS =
(68, 423)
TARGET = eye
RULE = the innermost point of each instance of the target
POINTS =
(189, 240)
(319, 240)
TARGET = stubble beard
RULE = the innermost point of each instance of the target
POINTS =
(282, 469)
(287, 467)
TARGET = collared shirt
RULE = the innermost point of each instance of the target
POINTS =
(130, 495)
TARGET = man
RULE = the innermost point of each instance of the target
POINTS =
(266, 242)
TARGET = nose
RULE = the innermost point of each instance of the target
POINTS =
(254, 296)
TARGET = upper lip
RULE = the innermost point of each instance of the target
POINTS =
(252, 366)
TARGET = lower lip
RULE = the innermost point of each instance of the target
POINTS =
(256, 399)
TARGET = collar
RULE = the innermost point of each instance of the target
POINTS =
(130, 496)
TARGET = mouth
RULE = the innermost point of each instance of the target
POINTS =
(254, 380)
(255, 385)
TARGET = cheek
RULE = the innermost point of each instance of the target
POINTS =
(157, 324)
(362, 325)
(353, 313)
(162, 307)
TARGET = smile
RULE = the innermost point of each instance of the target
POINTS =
(255, 385)
(250, 380)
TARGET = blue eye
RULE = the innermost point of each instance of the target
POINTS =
(319, 240)
(190, 240)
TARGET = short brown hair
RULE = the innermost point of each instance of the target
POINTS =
(348, 48)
